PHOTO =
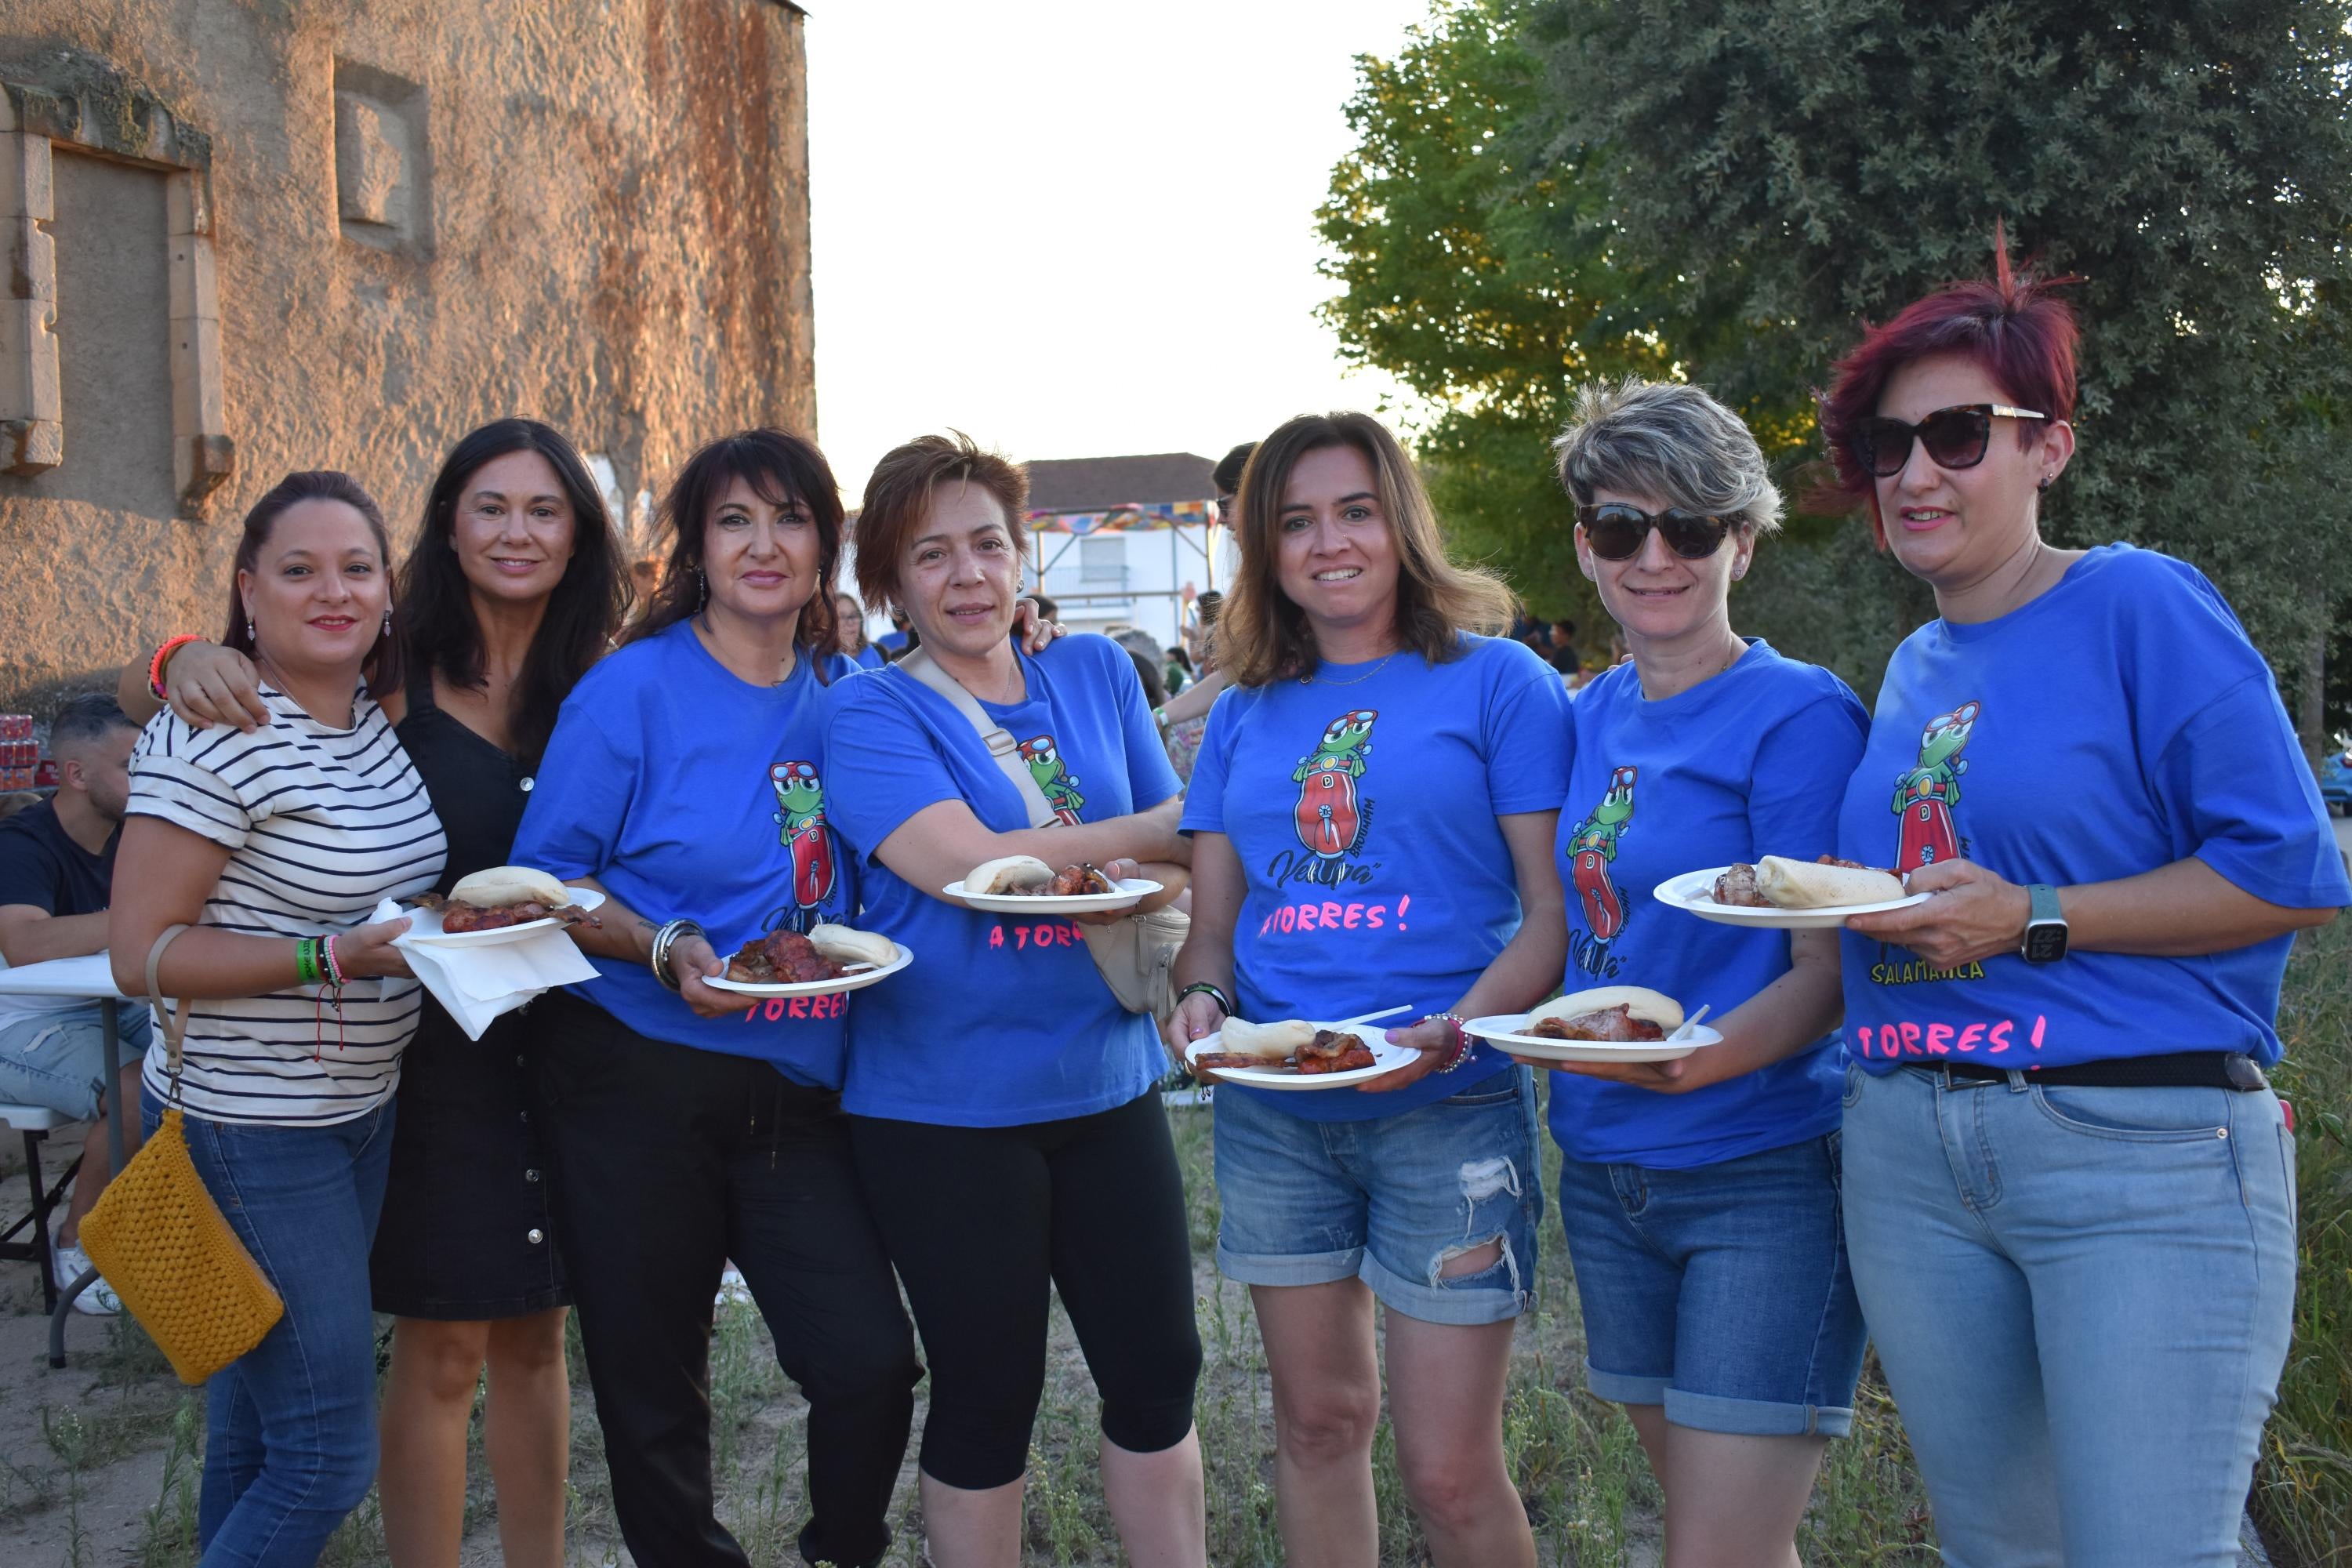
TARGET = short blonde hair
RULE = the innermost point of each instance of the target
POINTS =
(1669, 440)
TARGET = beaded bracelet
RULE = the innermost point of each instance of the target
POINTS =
(1463, 1045)
(334, 965)
(164, 656)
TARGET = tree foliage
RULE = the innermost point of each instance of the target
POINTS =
(1549, 189)
(1478, 283)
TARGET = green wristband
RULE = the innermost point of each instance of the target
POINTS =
(306, 960)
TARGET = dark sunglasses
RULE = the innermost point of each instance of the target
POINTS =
(1615, 530)
(1956, 437)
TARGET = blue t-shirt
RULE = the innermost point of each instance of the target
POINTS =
(871, 656)
(1753, 762)
(690, 793)
(893, 640)
(2117, 723)
(1002, 1020)
(1362, 805)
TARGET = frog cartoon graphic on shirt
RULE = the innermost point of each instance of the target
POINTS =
(1332, 816)
(1054, 778)
(1925, 795)
(1592, 849)
(800, 801)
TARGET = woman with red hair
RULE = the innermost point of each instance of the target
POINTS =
(2068, 1191)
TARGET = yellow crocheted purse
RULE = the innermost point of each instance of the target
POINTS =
(161, 1241)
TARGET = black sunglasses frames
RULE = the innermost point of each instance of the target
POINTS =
(1615, 530)
(1955, 437)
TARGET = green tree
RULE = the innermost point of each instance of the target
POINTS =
(1479, 284)
(1782, 169)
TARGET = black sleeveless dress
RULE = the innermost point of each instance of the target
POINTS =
(465, 1236)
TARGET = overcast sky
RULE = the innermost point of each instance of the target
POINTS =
(1076, 229)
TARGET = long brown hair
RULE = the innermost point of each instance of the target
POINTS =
(382, 668)
(780, 467)
(1262, 637)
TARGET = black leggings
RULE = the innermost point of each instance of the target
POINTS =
(667, 1162)
(979, 1218)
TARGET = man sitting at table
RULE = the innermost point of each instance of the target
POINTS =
(56, 863)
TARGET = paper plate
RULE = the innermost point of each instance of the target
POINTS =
(1386, 1059)
(1132, 890)
(1694, 892)
(425, 925)
(858, 979)
(1501, 1029)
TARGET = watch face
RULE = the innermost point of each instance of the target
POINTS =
(2046, 943)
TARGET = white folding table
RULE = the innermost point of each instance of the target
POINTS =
(80, 980)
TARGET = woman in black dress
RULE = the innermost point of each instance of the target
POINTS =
(513, 589)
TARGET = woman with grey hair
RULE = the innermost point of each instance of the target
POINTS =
(1700, 1196)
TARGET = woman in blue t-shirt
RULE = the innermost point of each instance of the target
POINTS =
(1372, 812)
(2069, 1191)
(999, 1098)
(1700, 1196)
(686, 780)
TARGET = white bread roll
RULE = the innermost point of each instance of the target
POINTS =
(1808, 885)
(498, 885)
(1640, 1002)
(1269, 1042)
(844, 945)
(1007, 874)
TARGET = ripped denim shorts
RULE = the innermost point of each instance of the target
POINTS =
(1399, 1201)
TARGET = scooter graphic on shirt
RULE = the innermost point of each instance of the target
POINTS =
(1054, 779)
(1925, 795)
(1331, 819)
(800, 796)
(1592, 849)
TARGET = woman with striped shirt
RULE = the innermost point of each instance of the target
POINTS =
(263, 842)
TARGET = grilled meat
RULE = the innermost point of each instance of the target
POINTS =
(1614, 1026)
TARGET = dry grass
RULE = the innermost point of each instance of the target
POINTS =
(1575, 1458)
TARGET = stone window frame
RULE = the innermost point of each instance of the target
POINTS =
(125, 126)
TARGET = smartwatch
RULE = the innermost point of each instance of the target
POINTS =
(2045, 927)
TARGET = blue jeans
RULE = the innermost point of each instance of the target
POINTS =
(1390, 1200)
(289, 1440)
(2082, 1297)
(59, 1060)
(1719, 1292)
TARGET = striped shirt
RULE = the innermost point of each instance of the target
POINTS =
(320, 824)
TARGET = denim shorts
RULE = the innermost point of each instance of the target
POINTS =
(1390, 1201)
(1720, 1292)
(58, 1060)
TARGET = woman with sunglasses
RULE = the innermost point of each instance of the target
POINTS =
(2069, 1193)
(1700, 1196)
(1373, 817)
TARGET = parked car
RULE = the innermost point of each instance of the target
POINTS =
(2336, 776)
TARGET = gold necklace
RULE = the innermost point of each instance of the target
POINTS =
(1358, 680)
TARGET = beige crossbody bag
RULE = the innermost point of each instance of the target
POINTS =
(1136, 955)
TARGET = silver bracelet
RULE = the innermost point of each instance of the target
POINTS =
(1464, 1045)
(664, 940)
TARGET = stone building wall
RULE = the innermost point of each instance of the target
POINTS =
(242, 238)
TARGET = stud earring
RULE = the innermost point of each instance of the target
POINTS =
(2045, 481)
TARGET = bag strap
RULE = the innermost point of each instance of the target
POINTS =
(1003, 749)
(174, 1025)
